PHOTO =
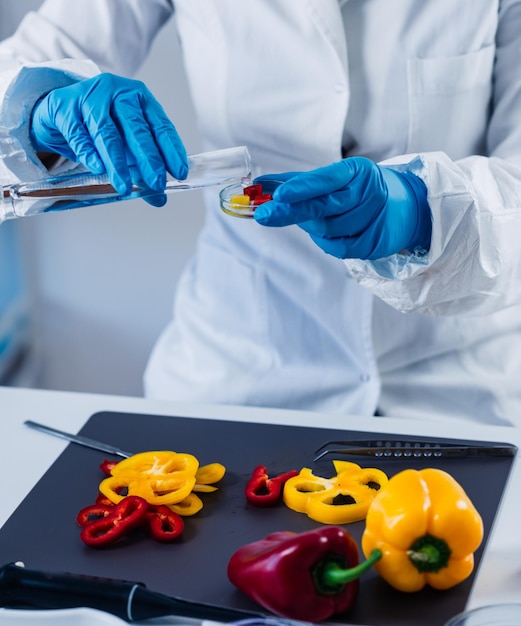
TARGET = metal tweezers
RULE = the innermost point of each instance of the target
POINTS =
(79, 439)
(412, 449)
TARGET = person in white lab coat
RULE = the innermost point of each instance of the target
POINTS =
(264, 316)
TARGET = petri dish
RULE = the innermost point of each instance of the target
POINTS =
(492, 615)
(234, 201)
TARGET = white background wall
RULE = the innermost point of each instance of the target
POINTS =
(102, 278)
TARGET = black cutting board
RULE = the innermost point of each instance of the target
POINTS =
(42, 532)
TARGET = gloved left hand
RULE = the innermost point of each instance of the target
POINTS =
(353, 208)
(115, 125)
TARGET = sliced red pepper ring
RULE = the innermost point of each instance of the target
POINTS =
(164, 525)
(101, 499)
(93, 513)
(107, 466)
(123, 517)
(261, 490)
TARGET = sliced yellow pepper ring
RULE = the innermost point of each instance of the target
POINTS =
(159, 463)
(163, 491)
(160, 477)
(114, 489)
(191, 505)
(342, 499)
(297, 490)
(163, 477)
(155, 490)
(206, 475)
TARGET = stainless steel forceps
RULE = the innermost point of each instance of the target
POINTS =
(412, 449)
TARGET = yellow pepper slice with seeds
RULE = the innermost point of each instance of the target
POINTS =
(157, 463)
(342, 499)
(163, 477)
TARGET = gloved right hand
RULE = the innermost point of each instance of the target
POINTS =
(114, 125)
(353, 209)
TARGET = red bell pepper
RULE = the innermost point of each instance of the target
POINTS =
(164, 524)
(308, 576)
(261, 490)
(121, 518)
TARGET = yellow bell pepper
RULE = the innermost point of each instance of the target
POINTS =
(339, 500)
(426, 529)
(160, 477)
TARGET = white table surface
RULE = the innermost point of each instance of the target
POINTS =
(25, 455)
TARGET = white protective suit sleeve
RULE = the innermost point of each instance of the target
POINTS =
(474, 263)
(57, 46)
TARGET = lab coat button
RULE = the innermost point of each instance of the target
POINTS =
(365, 378)
(340, 87)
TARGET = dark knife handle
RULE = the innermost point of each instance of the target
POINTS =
(31, 589)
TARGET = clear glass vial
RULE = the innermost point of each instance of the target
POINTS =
(218, 167)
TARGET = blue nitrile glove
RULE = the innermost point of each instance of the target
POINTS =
(114, 125)
(353, 209)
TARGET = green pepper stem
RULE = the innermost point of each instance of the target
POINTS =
(331, 576)
(429, 554)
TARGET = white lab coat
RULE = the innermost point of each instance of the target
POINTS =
(264, 317)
